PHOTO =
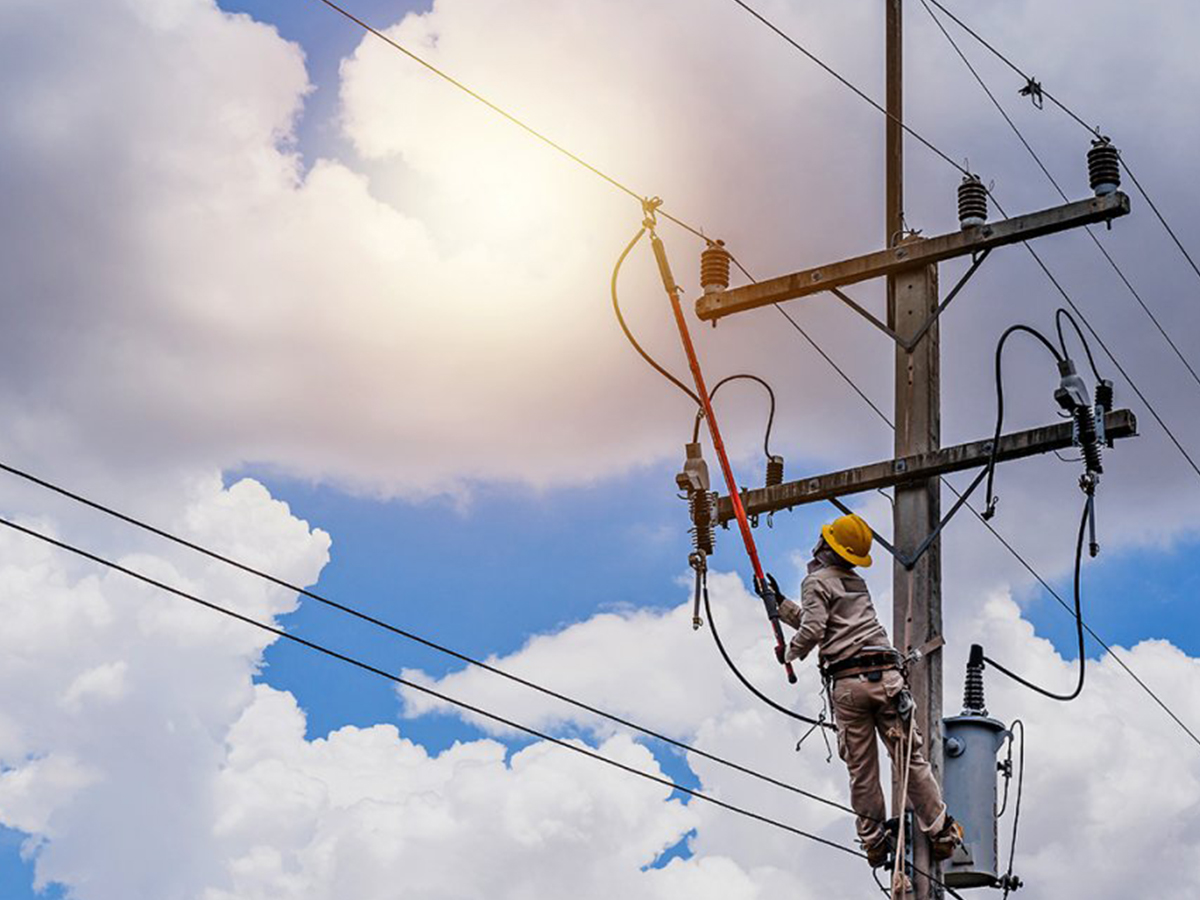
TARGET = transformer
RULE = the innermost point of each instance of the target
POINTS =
(972, 743)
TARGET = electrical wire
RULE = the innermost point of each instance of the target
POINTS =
(948, 159)
(1004, 542)
(1045, 171)
(411, 636)
(770, 415)
(412, 685)
(829, 70)
(1087, 509)
(1012, 849)
(506, 115)
(438, 695)
(1011, 330)
(616, 304)
(1059, 315)
(809, 720)
(1082, 124)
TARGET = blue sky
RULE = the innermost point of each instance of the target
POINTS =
(484, 574)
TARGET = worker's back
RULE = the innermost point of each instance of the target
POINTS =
(837, 598)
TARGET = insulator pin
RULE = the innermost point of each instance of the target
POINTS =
(774, 471)
(972, 202)
(714, 268)
(1104, 167)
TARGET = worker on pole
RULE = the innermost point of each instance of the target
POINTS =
(865, 677)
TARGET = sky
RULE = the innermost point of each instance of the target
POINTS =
(277, 288)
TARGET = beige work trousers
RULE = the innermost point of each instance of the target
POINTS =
(864, 708)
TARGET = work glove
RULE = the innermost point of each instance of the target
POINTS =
(793, 652)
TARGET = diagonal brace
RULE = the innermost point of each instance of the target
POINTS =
(911, 344)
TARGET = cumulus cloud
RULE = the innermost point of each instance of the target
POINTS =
(429, 309)
(1109, 778)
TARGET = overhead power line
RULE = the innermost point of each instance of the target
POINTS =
(1041, 89)
(948, 159)
(412, 636)
(424, 689)
(1016, 554)
(500, 111)
(1058, 188)
(446, 698)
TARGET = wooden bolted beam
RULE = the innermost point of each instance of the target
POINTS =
(1120, 423)
(911, 254)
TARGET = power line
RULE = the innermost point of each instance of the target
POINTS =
(937, 151)
(529, 129)
(1041, 90)
(445, 698)
(1013, 551)
(1061, 193)
(943, 155)
(409, 635)
(848, 84)
(412, 685)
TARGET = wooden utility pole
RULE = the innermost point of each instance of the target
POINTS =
(912, 298)
(910, 265)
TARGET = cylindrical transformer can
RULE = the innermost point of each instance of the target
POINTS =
(972, 743)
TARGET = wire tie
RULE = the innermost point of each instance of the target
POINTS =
(1033, 90)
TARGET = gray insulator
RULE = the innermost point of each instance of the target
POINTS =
(972, 743)
(972, 202)
(1104, 167)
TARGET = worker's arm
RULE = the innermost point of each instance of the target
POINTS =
(814, 614)
(789, 613)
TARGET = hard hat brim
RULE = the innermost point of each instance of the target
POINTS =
(841, 550)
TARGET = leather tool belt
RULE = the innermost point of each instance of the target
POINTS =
(868, 662)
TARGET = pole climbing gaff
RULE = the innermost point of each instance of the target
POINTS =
(764, 585)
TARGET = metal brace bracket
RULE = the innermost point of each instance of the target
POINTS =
(910, 345)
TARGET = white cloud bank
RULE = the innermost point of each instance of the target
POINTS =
(183, 296)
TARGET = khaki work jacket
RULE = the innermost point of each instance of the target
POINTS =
(835, 613)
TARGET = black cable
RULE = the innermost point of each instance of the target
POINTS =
(944, 156)
(410, 636)
(770, 415)
(847, 83)
(1013, 551)
(1082, 124)
(1113, 359)
(629, 334)
(808, 720)
(509, 116)
(1012, 849)
(1061, 193)
(366, 667)
(1087, 508)
(1012, 329)
(1059, 315)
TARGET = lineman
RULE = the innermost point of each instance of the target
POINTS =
(864, 675)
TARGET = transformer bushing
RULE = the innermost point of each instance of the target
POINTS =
(972, 742)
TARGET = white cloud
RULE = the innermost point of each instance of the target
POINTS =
(185, 297)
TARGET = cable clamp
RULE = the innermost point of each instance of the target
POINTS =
(650, 207)
(1033, 90)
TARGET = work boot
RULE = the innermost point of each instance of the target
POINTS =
(946, 841)
(881, 852)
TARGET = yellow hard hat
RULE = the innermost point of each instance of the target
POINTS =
(850, 538)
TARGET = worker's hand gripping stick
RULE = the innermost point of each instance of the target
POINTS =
(764, 588)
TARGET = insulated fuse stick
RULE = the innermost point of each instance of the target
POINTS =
(761, 584)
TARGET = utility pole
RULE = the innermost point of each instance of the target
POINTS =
(910, 266)
(912, 298)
